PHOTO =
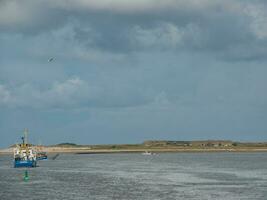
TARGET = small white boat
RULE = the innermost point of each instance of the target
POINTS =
(146, 153)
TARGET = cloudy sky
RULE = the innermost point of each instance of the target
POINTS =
(127, 71)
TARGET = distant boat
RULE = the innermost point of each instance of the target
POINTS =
(146, 153)
(24, 154)
(41, 156)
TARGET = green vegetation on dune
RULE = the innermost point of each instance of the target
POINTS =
(67, 144)
(164, 144)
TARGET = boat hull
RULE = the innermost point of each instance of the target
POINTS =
(25, 163)
(42, 158)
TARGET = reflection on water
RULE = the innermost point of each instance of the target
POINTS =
(134, 176)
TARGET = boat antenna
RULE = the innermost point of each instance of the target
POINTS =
(26, 135)
(23, 142)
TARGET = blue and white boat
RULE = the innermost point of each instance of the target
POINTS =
(24, 154)
(41, 155)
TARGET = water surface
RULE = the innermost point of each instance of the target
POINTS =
(181, 176)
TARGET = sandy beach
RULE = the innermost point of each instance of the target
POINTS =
(84, 150)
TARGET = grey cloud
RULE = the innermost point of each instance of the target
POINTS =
(132, 7)
(117, 28)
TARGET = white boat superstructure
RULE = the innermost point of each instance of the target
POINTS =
(24, 154)
(146, 153)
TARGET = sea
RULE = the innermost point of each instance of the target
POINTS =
(198, 176)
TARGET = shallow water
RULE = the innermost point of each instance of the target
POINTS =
(181, 176)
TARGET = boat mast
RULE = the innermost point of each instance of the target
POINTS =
(25, 141)
(26, 136)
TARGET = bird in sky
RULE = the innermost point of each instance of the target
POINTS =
(50, 59)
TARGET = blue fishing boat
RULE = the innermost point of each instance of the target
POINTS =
(24, 154)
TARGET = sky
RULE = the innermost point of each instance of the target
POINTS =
(128, 71)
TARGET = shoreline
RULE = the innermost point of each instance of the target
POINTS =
(51, 150)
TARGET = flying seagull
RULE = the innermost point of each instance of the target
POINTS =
(50, 59)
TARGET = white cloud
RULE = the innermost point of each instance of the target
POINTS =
(258, 23)
(70, 93)
(5, 96)
(165, 35)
